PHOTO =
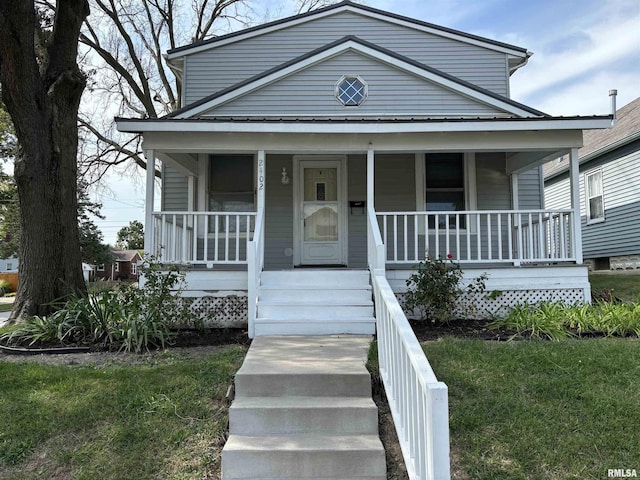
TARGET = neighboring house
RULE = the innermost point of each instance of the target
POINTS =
(350, 136)
(609, 192)
(9, 264)
(88, 272)
(124, 266)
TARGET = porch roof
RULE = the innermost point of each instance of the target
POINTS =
(349, 125)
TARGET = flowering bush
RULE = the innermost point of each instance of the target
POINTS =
(434, 288)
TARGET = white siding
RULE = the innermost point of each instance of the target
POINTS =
(218, 68)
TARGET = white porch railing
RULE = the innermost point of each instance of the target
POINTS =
(254, 269)
(418, 401)
(481, 236)
(208, 238)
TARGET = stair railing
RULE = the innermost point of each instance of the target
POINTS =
(255, 265)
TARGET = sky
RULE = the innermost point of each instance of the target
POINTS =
(581, 50)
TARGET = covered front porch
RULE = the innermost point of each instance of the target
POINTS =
(324, 194)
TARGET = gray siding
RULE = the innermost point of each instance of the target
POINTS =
(530, 189)
(619, 234)
(174, 195)
(278, 214)
(357, 185)
(215, 69)
(391, 91)
(395, 182)
(493, 186)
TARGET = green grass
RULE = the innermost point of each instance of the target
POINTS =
(6, 307)
(161, 418)
(624, 286)
(541, 410)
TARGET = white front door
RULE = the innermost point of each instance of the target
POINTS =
(321, 212)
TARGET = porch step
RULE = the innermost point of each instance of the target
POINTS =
(310, 415)
(303, 410)
(303, 456)
(315, 302)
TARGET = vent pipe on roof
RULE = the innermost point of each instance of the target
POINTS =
(613, 94)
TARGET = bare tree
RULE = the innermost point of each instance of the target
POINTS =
(127, 40)
(41, 88)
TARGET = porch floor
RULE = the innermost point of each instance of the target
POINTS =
(303, 409)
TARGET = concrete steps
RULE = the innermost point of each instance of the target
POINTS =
(315, 302)
(303, 410)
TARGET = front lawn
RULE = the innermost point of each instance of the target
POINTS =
(163, 416)
(539, 409)
(625, 286)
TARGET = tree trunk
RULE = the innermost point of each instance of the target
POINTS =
(41, 88)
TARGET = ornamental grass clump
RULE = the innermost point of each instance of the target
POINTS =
(128, 318)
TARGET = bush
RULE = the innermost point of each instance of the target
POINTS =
(5, 287)
(434, 288)
(129, 318)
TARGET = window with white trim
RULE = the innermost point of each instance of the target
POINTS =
(101, 267)
(594, 197)
(351, 91)
(134, 268)
(448, 181)
(117, 266)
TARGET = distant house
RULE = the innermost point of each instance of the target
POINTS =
(9, 264)
(124, 266)
(88, 272)
(609, 192)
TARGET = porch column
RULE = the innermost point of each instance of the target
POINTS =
(574, 180)
(261, 180)
(149, 247)
(370, 176)
(515, 194)
(515, 205)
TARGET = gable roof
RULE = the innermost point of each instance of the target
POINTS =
(124, 255)
(598, 142)
(367, 48)
(519, 55)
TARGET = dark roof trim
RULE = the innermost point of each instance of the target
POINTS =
(359, 120)
(282, 21)
(373, 46)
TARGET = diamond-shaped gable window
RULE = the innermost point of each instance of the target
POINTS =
(351, 91)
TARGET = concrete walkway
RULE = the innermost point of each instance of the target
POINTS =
(303, 410)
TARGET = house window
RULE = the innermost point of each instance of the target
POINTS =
(231, 187)
(117, 266)
(351, 91)
(595, 199)
(101, 267)
(9, 267)
(134, 268)
(446, 181)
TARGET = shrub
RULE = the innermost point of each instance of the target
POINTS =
(5, 287)
(434, 288)
(131, 318)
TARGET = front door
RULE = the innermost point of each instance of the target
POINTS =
(322, 233)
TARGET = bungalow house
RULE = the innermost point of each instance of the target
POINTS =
(609, 191)
(313, 151)
(124, 266)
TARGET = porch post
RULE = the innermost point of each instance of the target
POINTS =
(370, 177)
(515, 194)
(149, 247)
(261, 180)
(574, 180)
(515, 205)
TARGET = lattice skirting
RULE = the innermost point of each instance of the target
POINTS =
(498, 303)
(220, 310)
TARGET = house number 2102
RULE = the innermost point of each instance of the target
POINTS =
(260, 174)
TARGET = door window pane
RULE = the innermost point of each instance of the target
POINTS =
(320, 184)
(320, 223)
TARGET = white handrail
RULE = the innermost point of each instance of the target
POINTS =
(255, 254)
(417, 400)
(480, 236)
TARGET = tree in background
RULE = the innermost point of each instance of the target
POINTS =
(41, 89)
(131, 237)
(92, 248)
